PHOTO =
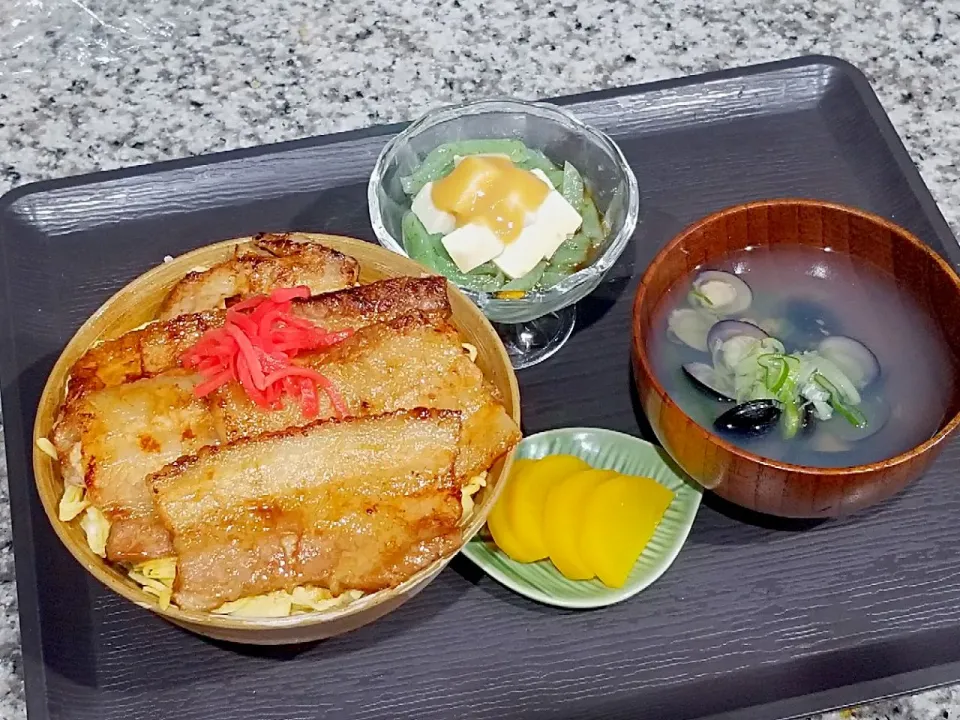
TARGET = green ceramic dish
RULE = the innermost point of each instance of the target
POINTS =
(541, 581)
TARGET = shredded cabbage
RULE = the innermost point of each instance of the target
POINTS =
(275, 604)
(469, 490)
(303, 599)
(72, 503)
(161, 589)
(162, 569)
(313, 599)
(97, 528)
(47, 448)
(156, 577)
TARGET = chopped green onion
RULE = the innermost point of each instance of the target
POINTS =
(701, 297)
(850, 413)
(825, 384)
(790, 419)
(777, 370)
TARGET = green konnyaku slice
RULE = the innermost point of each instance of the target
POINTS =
(536, 160)
(551, 276)
(529, 281)
(572, 185)
(571, 254)
(591, 222)
(440, 160)
(428, 250)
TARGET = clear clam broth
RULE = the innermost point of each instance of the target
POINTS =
(820, 293)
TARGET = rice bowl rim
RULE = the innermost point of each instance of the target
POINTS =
(108, 322)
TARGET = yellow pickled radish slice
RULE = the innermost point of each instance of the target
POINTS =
(619, 519)
(529, 494)
(497, 521)
(563, 521)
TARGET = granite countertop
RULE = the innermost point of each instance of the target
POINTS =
(111, 83)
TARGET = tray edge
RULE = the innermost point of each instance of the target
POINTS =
(35, 686)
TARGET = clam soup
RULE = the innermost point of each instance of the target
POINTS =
(804, 356)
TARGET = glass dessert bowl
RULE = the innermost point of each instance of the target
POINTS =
(523, 251)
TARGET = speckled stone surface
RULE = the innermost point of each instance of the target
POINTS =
(112, 83)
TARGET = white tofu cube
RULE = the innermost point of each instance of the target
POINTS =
(522, 255)
(531, 217)
(433, 218)
(552, 241)
(557, 220)
(543, 176)
(471, 246)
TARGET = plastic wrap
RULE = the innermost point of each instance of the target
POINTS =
(82, 32)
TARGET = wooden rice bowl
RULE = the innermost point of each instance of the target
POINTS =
(138, 303)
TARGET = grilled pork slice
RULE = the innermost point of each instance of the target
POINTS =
(417, 360)
(357, 504)
(414, 361)
(111, 439)
(158, 347)
(266, 262)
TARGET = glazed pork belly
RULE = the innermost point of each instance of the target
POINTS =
(417, 360)
(111, 439)
(359, 504)
(268, 261)
(158, 347)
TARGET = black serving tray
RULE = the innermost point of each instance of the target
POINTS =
(755, 619)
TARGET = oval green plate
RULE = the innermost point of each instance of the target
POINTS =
(541, 581)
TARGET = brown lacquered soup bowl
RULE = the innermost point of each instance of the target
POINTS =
(747, 479)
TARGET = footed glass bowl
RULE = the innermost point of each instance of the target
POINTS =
(533, 327)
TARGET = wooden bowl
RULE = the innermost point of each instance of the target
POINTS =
(758, 483)
(138, 303)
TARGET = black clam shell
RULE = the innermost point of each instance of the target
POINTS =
(750, 419)
(808, 421)
(726, 329)
(699, 375)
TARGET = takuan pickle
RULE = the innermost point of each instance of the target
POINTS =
(588, 522)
